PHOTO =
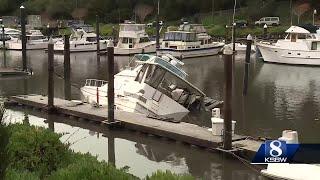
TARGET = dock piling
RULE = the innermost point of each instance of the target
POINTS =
(23, 38)
(247, 63)
(234, 37)
(111, 151)
(265, 31)
(98, 36)
(50, 76)
(66, 65)
(3, 39)
(110, 50)
(158, 27)
(227, 135)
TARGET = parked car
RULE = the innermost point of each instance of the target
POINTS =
(241, 23)
(270, 21)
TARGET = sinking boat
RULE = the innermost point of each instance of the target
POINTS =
(151, 85)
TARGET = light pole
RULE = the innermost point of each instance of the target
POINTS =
(314, 13)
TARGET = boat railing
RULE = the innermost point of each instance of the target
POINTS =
(95, 82)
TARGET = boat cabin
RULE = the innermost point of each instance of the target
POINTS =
(299, 35)
(167, 79)
(132, 34)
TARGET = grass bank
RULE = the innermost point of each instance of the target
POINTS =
(34, 153)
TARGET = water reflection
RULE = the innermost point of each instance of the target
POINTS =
(143, 154)
(277, 94)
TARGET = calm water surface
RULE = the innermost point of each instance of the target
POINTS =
(279, 97)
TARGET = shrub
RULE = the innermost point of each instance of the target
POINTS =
(160, 175)
(89, 168)
(36, 150)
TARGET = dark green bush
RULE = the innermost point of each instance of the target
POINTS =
(36, 150)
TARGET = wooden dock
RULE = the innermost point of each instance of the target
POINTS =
(13, 72)
(184, 132)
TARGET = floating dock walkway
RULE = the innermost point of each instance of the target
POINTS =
(184, 132)
(13, 72)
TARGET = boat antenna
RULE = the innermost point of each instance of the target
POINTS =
(234, 11)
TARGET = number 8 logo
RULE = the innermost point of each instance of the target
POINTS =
(275, 151)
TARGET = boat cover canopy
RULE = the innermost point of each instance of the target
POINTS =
(297, 30)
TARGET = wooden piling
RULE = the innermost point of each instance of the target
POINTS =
(3, 39)
(247, 63)
(265, 31)
(227, 140)
(158, 28)
(234, 37)
(98, 35)
(111, 151)
(50, 76)
(66, 63)
(23, 37)
(110, 50)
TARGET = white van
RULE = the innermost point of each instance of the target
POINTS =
(270, 21)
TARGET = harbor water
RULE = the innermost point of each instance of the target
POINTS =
(279, 97)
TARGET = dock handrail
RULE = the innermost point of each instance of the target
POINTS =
(95, 82)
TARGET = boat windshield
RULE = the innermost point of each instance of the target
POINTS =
(169, 84)
(180, 36)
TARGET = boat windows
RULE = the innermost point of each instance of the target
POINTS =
(180, 36)
(35, 37)
(125, 40)
(301, 36)
(315, 46)
(154, 75)
(293, 37)
(91, 39)
(141, 74)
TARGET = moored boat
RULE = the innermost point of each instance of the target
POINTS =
(133, 39)
(300, 47)
(82, 41)
(35, 41)
(191, 40)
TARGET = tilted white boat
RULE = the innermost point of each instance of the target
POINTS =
(35, 41)
(152, 85)
(299, 47)
(82, 41)
(191, 40)
(133, 39)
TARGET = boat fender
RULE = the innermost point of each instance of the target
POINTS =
(142, 51)
(75, 45)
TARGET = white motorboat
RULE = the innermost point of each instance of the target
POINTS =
(299, 47)
(133, 39)
(151, 85)
(82, 41)
(191, 40)
(242, 47)
(35, 41)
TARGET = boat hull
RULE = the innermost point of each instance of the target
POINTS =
(90, 47)
(190, 53)
(29, 46)
(131, 51)
(274, 54)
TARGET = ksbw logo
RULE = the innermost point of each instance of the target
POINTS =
(275, 151)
